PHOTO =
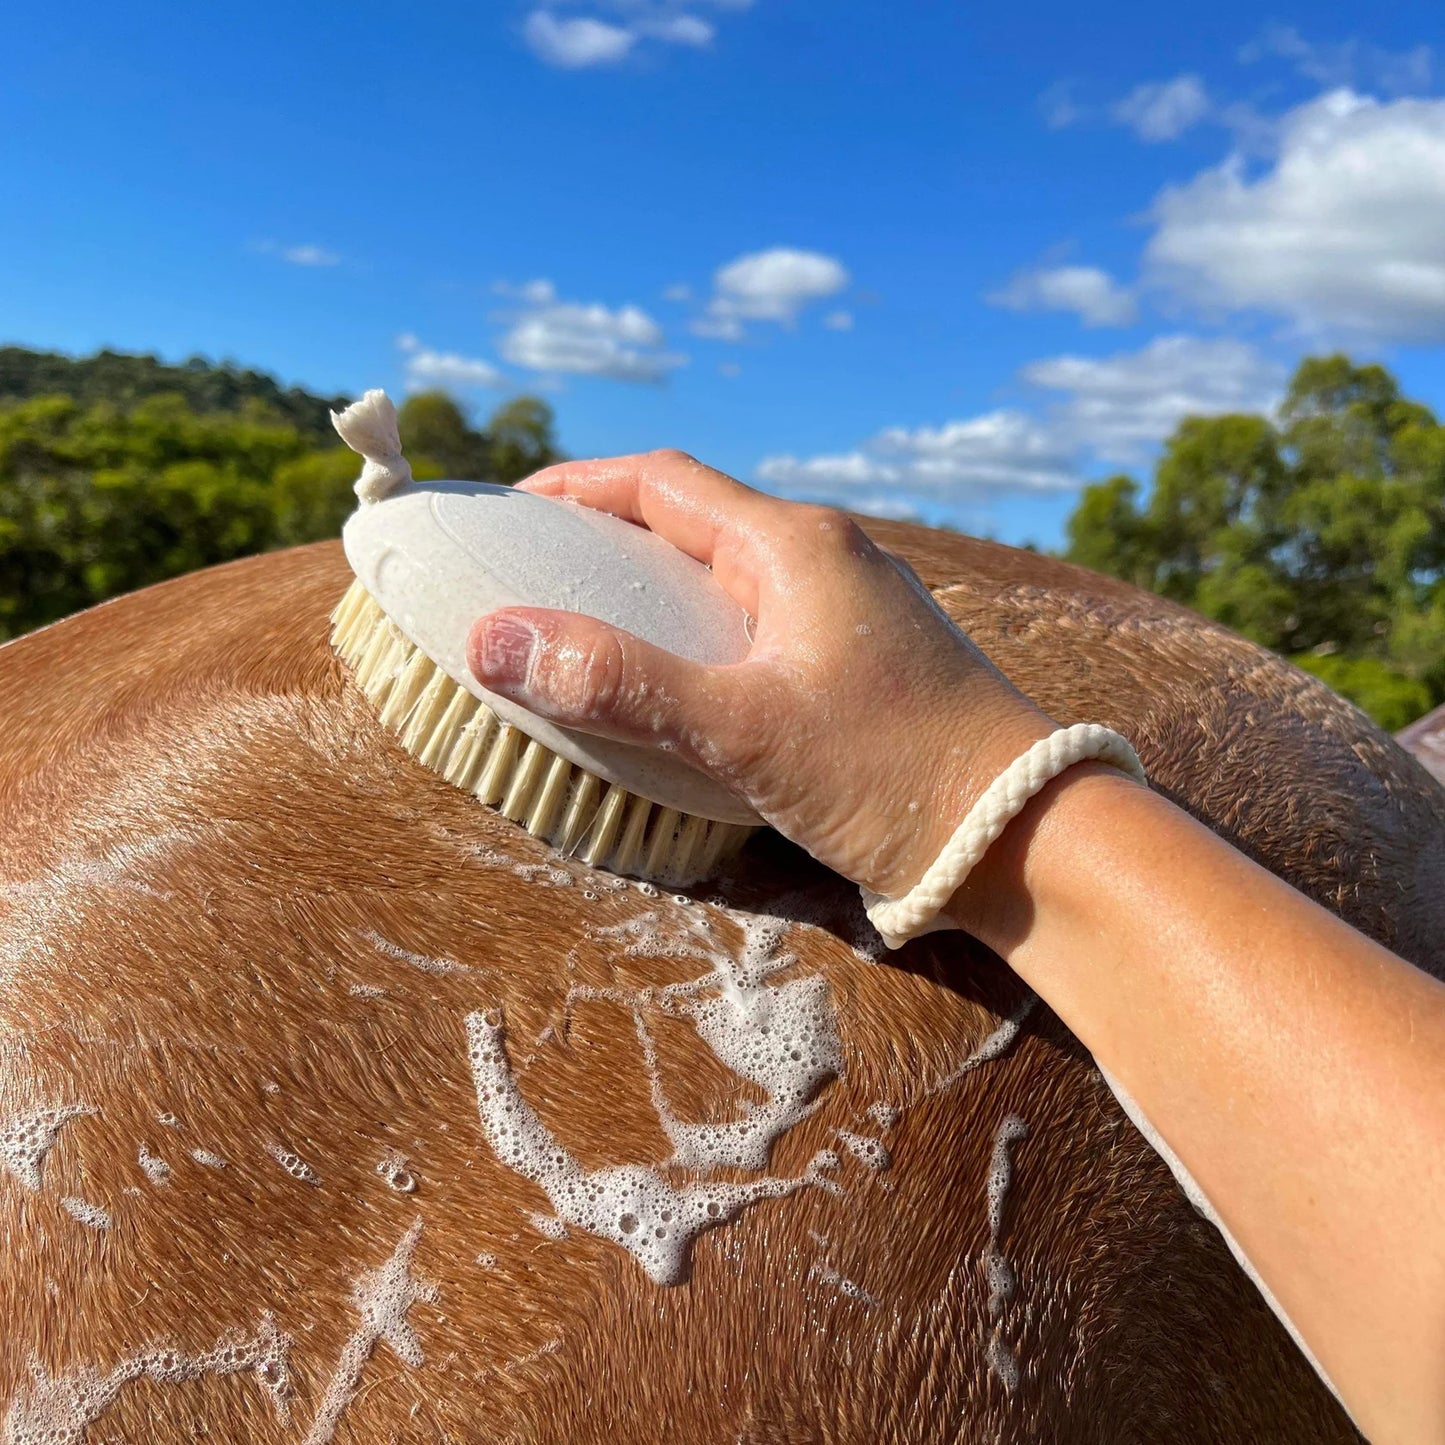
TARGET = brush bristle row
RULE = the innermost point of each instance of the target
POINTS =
(457, 735)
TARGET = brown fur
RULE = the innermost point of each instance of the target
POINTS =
(192, 978)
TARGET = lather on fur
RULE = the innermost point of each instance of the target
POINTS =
(240, 932)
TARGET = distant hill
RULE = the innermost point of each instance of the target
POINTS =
(123, 380)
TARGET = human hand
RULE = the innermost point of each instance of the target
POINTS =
(862, 724)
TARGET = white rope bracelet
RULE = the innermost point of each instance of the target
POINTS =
(899, 919)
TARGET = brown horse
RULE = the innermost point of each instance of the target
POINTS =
(333, 1107)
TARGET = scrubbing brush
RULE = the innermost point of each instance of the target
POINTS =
(430, 558)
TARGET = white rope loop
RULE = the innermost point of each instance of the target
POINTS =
(899, 919)
(369, 427)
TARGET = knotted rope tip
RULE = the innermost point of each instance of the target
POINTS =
(369, 428)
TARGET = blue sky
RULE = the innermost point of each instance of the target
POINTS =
(931, 258)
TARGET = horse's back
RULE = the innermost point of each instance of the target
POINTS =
(337, 1106)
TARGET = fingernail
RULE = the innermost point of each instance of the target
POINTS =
(506, 652)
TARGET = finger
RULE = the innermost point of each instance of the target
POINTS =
(704, 512)
(582, 673)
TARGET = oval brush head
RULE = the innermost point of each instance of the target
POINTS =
(431, 558)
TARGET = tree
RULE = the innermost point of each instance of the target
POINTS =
(115, 480)
(1321, 535)
(522, 439)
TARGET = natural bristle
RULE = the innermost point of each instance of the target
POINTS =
(457, 735)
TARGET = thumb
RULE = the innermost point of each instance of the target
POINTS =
(582, 673)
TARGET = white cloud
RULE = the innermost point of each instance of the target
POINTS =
(586, 340)
(1344, 230)
(310, 256)
(839, 321)
(299, 255)
(1118, 407)
(1092, 409)
(961, 461)
(425, 367)
(678, 30)
(1088, 292)
(577, 41)
(1059, 108)
(1164, 109)
(773, 285)
(1345, 62)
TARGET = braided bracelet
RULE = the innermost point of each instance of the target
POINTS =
(899, 919)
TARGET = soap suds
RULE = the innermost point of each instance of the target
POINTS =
(211, 1161)
(850, 1288)
(168, 1121)
(995, 1046)
(156, 1169)
(866, 1150)
(366, 990)
(382, 1298)
(1002, 1282)
(437, 967)
(883, 1114)
(782, 1038)
(41, 906)
(547, 1224)
(26, 1139)
(392, 1168)
(631, 1205)
(90, 1215)
(293, 1164)
(58, 1410)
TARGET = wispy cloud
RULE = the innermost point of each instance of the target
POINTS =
(576, 42)
(585, 40)
(553, 336)
(1087, 410)
(1163, 110)
(768, 286)
(426, 367)
(303, 255)
(1350, 62)
(1091, 294)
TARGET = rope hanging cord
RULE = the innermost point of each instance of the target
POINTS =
(917, 911)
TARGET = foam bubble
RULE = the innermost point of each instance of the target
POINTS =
(90, 1215)
(58, 1410)
(847, 1287)
(631, 1205)
(206, 1157)
(382, 1298)
(294, 1164)
(156, 1169)
(1003, 1364)
(883, 1114)
(995, 1046)
(866, 1150)
(1002, 1281)
(437, 967)
(26, 1139)
(392, 1168)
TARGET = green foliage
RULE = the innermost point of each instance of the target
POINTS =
(122, 380)
(103, 491)
(1321, 535)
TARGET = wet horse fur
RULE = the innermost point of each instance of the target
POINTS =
(238, 922)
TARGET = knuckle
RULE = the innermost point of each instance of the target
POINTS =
(672, 457)
(606, 676)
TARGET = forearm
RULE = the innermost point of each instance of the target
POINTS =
(1250, 1026)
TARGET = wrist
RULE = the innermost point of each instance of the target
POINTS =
(1038, 866)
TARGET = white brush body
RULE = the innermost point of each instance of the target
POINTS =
(436, 556)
